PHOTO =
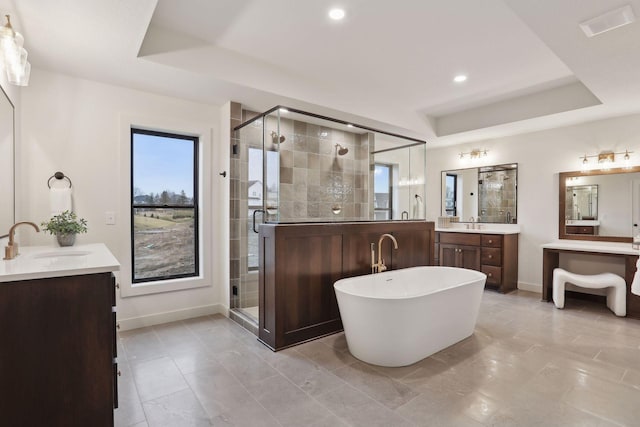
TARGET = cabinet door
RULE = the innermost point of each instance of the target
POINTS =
(469, 257)
(448, 255)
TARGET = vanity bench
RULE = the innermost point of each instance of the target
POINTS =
(551, 260)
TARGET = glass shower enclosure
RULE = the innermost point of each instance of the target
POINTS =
(291, 166)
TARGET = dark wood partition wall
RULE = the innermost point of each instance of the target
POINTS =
(300, 262)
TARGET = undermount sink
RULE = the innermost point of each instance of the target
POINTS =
(56, 254)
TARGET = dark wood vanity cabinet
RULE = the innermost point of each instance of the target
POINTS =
(57, 351)
(496, 255)
(299, 263)
(582, 229)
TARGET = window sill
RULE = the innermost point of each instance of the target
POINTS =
(162, 286)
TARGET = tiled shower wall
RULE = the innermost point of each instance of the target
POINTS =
(235, 194)
(497, 196)
(317, 184)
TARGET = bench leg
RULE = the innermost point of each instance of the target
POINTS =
(616, 301)
(558, 293)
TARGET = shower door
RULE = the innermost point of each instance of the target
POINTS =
(257, 202)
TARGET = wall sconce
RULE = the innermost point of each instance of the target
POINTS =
(606, 159)
(474, 154)
(13, 56)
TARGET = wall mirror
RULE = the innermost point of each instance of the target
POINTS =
(487, 194)
(599, 205)
(7, 178)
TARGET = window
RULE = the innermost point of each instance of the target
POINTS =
(254, 204)
(383, 191)
(451, 195)
(164, 206)
(255, 199)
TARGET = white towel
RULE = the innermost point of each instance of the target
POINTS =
(635, 285)
(60, 200)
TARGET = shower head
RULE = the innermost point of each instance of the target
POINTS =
(341, 150)
(276, 140)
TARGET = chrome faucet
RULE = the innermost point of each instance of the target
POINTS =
(508, 217)
(403, 214)
(11, 250)
(379, 266)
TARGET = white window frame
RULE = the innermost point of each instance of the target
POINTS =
(205, 228)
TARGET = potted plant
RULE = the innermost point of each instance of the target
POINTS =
(65, 226)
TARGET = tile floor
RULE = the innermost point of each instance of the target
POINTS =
(527, 364)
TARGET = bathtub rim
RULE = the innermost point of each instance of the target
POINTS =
(479, 276)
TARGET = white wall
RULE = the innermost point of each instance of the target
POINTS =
(540, 157)
(73, 125)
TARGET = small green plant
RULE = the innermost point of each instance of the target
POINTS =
(65, 223)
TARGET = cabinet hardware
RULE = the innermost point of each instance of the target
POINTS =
(490, 256)
(490, 241)
(490, 275)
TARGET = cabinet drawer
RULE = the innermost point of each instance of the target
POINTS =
(577, 229)
(494, 274)
(492, 240)
(471, 239)
(491, 256)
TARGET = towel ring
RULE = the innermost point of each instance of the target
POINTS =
(59, 175)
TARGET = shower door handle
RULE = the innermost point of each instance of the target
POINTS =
(254, 219)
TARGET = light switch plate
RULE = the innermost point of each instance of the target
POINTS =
(110, 218)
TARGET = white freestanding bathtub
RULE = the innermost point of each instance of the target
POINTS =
(399, 317)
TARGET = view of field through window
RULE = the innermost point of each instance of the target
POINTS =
(164, 208)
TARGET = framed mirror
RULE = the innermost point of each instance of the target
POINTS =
(599, 205)
(7, 190)
(486, 194)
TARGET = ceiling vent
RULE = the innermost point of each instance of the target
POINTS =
(608, 21)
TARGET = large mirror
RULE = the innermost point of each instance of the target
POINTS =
(487, 194)
(7, 193)
(599, 204)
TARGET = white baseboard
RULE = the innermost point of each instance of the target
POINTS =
(531, 287)
(172, 316)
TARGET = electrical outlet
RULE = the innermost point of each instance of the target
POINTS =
(110, 218)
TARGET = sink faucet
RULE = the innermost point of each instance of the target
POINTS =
(508, 217)
(379, 266)
(403, 214)
(473, 223)
(11, 250)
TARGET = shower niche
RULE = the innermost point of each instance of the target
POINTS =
(290, 166)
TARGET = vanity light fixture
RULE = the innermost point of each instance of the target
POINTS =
(13, 55)
(460, 78)
(606, 159)
(474, 154)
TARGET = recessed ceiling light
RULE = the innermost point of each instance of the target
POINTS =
(283, 110)
(349, 125)
(460, 78)
(336, 14)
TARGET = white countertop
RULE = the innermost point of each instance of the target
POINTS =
(592, 246)
(485, 229)
(39, 262)
(584, 222)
